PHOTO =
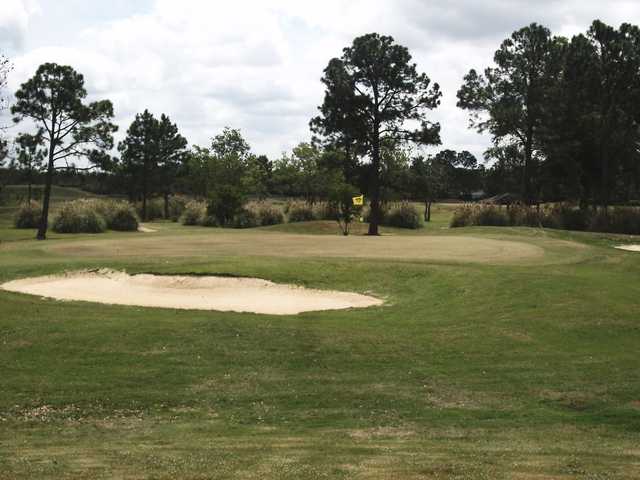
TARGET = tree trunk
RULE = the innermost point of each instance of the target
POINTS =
(374, 217)
(526, 181)
(427, 210)
(166, 205)
(44, 219)
(144, 205)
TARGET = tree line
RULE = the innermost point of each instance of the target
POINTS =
(562, 114)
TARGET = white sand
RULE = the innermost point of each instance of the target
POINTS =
(143, 229)
(188, 292)
(629, 248)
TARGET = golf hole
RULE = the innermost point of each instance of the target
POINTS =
(230, 294)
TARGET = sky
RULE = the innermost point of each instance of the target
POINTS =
(256, 64)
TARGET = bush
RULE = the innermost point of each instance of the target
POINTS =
(267, 213)
(28, 215)
(328, 210)
(462, 217)
(118, 214)
(194, 213)
(491, 216)
(624, 220)
(155, 209)
(123, 217)
(225, 203)
(522, 215)
(384, 211)
(404, 215)
(246, 218)
(616, 220)
(79, 216)
(300, 212)
(177, 204)
(208, 221)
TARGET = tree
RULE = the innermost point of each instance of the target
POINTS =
(373, 92)
(139, 153)
(152, 155)
(30, 157)
(594, 115)
(172, 156)
(224, 173)
(5, 68)
(509, 100)
(53, 99)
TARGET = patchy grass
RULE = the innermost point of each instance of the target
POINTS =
(477, 367)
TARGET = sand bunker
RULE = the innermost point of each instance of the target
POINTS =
(188, 292)
(629, 248)
(143, 229)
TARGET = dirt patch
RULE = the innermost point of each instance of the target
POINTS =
(184, 292)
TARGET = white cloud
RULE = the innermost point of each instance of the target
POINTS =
(15, 16)
(257, 65)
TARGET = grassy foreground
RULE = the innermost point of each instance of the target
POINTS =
(480, 366)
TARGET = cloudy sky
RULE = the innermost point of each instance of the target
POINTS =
(256, 64)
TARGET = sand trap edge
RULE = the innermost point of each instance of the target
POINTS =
(184, 292)
(629, 248)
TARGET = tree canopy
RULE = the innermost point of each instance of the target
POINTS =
(54, 99)
(374, 92)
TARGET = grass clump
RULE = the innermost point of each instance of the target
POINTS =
(177, 205)
(267, 213)
(155, 209)
(79, 216)
(404, 215)
(194, 213)
(28, 215)
(298, 211)
(246, 218)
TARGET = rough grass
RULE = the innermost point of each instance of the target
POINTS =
(473, 370)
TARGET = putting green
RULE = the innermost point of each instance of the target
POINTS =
(440, 248)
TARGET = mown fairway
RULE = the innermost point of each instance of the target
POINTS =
(501, 353)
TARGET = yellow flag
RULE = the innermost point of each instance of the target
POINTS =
(358, 200)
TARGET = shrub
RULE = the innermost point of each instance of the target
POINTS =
(28, 215)
(79, 216)
(225, 203)
(328, 210)
(208, 221)
(246, 218)
(616, 220)
(384, 211)
(524, 216)
(569, 218)
(491, 216)
(300, 212)
(155, 209)
(268, 213)
(625, 220)
(194, 213)
(118, 214)
(404, 215)
(177, 204)
(462, 217)
(123, 217)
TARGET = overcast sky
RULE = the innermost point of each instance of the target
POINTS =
(256, 64)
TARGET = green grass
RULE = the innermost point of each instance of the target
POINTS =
(472, 370)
